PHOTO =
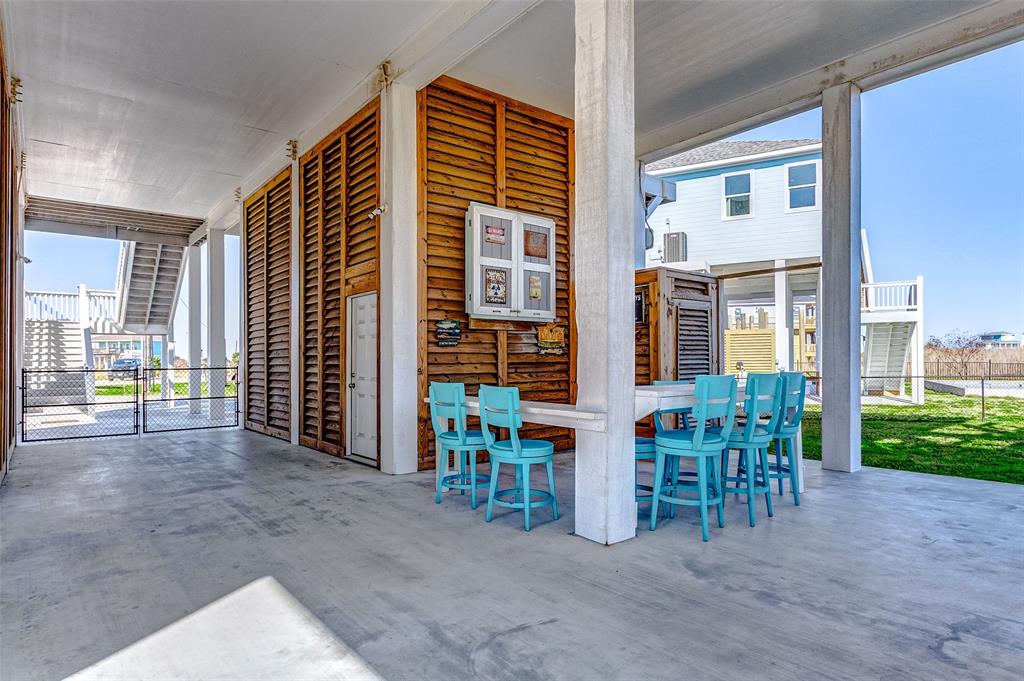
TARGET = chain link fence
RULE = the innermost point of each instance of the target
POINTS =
(193, 398)
(948, 425)
(74, 404)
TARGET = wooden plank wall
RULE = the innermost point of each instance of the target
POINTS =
(476, 145)
(267, 261)
(9, 166)
(339, 186)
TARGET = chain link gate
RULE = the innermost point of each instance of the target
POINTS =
(193, 398)
(77, 404)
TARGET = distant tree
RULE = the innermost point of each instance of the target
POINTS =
(180, 363)
(234, 359)
(958, 349)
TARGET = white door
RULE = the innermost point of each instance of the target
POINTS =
(362, 377)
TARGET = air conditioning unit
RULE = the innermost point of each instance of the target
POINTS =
(674, 247)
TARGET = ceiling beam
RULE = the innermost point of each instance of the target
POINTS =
(987, 27)
(101, 232)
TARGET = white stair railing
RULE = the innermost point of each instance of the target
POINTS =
(890, 295)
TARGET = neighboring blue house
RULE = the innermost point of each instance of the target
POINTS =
(748, 206)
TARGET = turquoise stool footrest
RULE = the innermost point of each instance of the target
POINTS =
(538, 498)
(465, 481)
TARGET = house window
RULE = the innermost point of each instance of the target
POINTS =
(801, 186)
(737, 196)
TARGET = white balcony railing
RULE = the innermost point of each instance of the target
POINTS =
(66, 307)
(51, 306)
(891, 295)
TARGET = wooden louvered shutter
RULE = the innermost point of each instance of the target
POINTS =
(361, 198)
(694, 343)
(478, 146)
(310, 299)
(268, 307)
(537, 172)
(339, 189)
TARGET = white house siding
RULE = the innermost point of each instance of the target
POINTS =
(771, 234)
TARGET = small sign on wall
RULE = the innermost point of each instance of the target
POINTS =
(447, 333)
(640, 306)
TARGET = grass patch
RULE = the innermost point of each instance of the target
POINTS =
(946, 435)
(181, 389)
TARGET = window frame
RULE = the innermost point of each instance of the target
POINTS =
(725, 197)
(817, 186)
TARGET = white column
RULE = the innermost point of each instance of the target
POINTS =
(398, 313)
(165, 369)
(783, 319)
(839, 325)
(215, 321)
(195, 328)
(605, 213)
(85, 325)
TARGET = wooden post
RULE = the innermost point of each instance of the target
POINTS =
(841, 254)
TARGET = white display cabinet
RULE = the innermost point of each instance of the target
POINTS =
(510, 264)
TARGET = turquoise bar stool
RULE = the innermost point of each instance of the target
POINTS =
(448, 403)
(499, 408)
(794, 392)
(715, 398)
(763, 398)
(644, 446)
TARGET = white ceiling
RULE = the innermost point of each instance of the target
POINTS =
(165, 106)
(692, 56)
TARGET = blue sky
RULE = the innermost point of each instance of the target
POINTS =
(943, 197)
(943, 187)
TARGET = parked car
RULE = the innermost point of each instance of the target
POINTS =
(123, 369)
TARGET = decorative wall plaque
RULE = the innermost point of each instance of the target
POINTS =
(448, 332)
(496, 287)
(551, 339)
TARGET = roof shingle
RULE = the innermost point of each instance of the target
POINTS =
(726, 149)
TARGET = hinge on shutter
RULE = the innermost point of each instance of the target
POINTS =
(238, 194)
(293, 149)
(15, 92)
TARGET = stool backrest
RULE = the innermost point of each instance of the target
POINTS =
(658, 425)
(794, 392)
(763, 396)
(499, 408)
(448, 403)
(714, 398)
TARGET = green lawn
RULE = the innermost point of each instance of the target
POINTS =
(946, 435)
(180, 389)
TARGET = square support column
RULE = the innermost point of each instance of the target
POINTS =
(605, 214)
(195, 328)
(783, 319)
(215, 345)
(839, 326)
(398, 280)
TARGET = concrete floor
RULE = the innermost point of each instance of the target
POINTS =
(878, 575)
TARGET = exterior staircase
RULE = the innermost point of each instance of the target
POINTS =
(148, 279)
(886, 350)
